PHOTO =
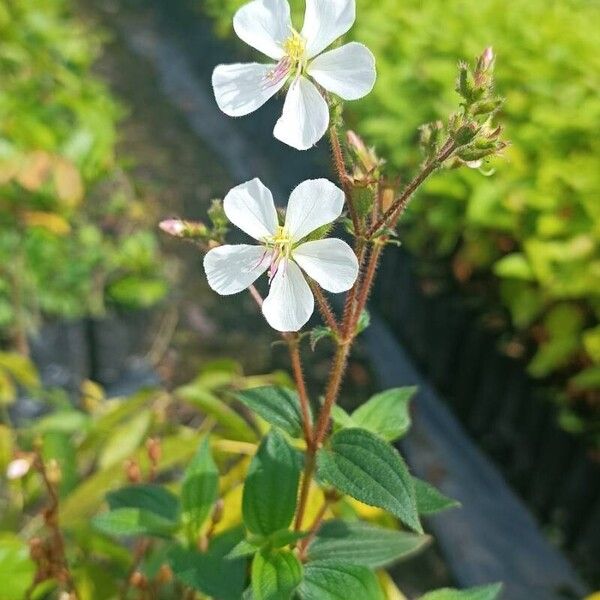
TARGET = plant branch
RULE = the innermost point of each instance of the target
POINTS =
(400, 204)
(294, 350)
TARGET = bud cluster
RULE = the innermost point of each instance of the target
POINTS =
(471, 130)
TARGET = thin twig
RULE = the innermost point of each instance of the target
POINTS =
(400, 204)
(59, 555)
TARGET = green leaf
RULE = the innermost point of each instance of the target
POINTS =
(147, 497)
(277, 405)
(341, 418)
(331, 581)
(363, 321)
(275, 575)
(430, 500)
(362, 465)
(386, 414)
(244, 548)
(285, 537)
(485, 592)
(132, 522)
(361, 544)
(139, 510)
(16, 568)
(199, 490)
(125, 439)
(233, 425)
(21, 369)
(319, 333)
(212, 572)
(271, 487)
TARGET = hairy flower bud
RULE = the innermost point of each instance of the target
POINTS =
(184, 229)
(366, 160)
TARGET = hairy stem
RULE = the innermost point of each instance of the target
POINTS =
(324, 308)
(307, 475)
(340, 167)
(400, 204)
(294, 350)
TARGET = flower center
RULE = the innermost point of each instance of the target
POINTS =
(280, 246)
(295, 47)
(294, 60)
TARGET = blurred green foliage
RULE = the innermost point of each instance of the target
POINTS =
(73, 233)
(531, 232)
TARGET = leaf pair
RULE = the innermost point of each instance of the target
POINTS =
(148, 509)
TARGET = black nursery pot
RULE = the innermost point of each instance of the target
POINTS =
(118, 345)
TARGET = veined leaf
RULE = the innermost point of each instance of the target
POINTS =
(485, 592)
(362, 544)
(212, 572)
(362, 465)
(199, 490)
(271, 487)
(147, 497)
(275, 575)
(133, 521)
(386, 414)
(430, 500)
(277, 405)
(331, 581)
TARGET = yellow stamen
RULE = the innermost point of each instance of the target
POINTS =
(295, 47)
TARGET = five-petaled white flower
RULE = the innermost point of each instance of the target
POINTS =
(348, 71)
(282, 251)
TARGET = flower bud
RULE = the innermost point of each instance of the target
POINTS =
(53, 471)
(164, 575)
(218, 510)
(465, 133)
(485, 107)
(184, 229)
(154, 450)
(486, 61)
(133, 471)
(367, 159)
(138, 580)
(18, 468)
(217, 214)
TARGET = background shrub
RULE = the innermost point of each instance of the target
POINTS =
(73, 235)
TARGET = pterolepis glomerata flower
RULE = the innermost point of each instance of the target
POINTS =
(282, 251)
(347, 71)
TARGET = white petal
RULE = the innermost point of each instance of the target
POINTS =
(264, 25)
(305, 116)
(348, 71)
(330, 262)
(244, 87)
(231, 269)
(250, 207)
(290, 301)
(312, 204)
(325, 21)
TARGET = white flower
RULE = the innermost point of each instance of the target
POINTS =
(348, 71)
(330, 262)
